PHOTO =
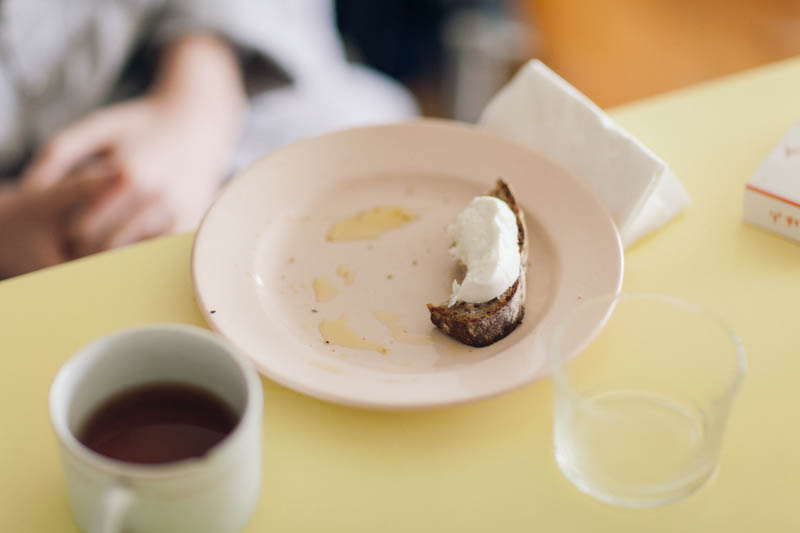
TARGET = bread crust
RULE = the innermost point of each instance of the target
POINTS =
(482, 324)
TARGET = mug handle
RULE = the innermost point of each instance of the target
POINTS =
(114, 506)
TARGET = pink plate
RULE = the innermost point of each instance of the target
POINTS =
(263, 243)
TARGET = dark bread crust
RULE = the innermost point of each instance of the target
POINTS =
(481, 324)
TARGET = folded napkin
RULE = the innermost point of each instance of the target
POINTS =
(541, 110)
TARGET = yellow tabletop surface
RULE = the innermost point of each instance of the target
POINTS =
(486, 466)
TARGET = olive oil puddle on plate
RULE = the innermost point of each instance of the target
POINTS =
(324, 290)
(397, 331)
(370, 224)
(340, 333)
(346, 274)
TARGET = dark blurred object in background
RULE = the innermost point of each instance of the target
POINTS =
(399, 37)
(453, 54)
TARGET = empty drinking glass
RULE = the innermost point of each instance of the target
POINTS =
(640, 409)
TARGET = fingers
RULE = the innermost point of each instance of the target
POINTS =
(91, 229)
(33, 257)
(98, 165)
(79, 189)
(51, 253)
(29, 247)
(150, 220)
(89, 136)
(120, 219)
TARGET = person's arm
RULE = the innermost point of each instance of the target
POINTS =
(172, 148)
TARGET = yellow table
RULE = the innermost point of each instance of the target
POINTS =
(486, 466)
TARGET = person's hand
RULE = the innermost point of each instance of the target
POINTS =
(32, 221)
(171, 149)
(168, 165)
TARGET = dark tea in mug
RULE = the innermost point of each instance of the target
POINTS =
(158, 423)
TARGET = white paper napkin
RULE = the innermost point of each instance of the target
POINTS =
(541, 110)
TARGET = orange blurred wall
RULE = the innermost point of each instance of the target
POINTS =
(621, 50)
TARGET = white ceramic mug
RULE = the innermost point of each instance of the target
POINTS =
(214, 493)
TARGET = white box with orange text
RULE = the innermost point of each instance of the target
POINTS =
(772, 195)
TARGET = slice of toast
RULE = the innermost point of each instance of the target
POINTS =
(481, 324)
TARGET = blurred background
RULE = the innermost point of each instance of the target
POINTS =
(453, 54)
(120, 120)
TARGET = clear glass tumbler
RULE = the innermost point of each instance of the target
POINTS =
(640, 409)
